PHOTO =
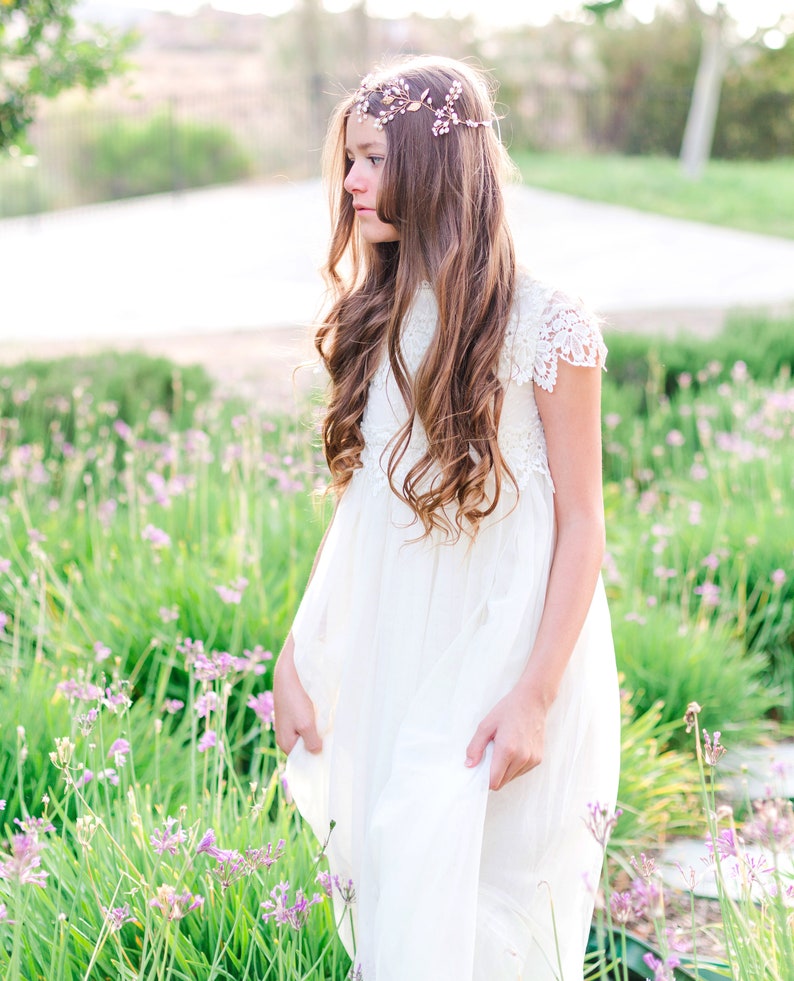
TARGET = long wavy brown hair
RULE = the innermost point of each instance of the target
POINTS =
(443, 194)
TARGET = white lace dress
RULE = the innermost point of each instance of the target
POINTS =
(404, 646)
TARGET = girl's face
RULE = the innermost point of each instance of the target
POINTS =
(366, 149)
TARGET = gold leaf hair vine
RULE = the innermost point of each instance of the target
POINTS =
(397, 100)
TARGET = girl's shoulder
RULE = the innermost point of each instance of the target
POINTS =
(546, 325)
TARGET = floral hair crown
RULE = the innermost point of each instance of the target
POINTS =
(397, 100)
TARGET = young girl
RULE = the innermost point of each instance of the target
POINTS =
(447, 695)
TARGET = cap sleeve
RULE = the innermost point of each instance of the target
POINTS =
(570, 332)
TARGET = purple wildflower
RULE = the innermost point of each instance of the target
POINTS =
(122, 430)
(117, 917)
(119, 751)
(724, 846)
(167, 839)
(105, 512)
(712, 750)
(262, 704)
(278, 908)
(709, 593)
(254, 660)
(35, 826)
(190, 649)
(755, 868)
(219, 664)
(3, 621)
(85, 778)
(601, 821)
(662, 970)
(230, 866)
(207, 844)
(622, 906)
(78, 689)
(258, 857)
(778, 577)
(346, 890)
(101, 652)
(168, 615)
(87, 720)
(648, 897)
(156, 536)
(675, 438)
(772, 824)
(175, 905)
(646, 867)
(233, 593)
(173, 705)
(24, 861)
(207, 741)
(5, 566)
(206, 704)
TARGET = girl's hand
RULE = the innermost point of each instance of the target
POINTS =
(294, 711)
(516, 726)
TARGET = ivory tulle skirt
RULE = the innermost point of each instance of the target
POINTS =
(404, 646)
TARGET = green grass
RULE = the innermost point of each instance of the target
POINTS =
(757, 196)
(156, 551)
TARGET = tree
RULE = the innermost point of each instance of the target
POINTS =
(719, 42)
(43, 51)
(714, 53)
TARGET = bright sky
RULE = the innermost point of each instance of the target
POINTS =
(751, 14)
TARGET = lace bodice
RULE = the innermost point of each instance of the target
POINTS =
(545, 326)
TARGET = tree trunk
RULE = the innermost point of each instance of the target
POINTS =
(702, 118)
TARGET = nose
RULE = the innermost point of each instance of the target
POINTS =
(354, 180)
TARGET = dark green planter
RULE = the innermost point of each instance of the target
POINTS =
(633, 955)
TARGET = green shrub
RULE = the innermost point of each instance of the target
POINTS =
(756, 117)
(22, 189)
(664, 659)
(765, 345)
(41, 397)
(655, 792)
(132, 157)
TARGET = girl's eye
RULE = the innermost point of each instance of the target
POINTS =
(376, 161)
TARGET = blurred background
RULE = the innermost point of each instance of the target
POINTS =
(191, 95)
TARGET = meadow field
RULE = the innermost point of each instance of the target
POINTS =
(154, 542)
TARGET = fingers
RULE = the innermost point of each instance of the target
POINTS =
(311, 738)
(500, 764)
(476, 748)
(285, 740)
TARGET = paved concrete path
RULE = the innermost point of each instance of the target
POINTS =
(245, 257)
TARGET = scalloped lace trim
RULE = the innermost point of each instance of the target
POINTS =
(569, 334)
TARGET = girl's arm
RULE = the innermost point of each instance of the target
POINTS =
(293, 709)
(571, 417)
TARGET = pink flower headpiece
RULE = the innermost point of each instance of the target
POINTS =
(397, 99)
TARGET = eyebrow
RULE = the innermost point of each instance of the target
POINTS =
(364, 147)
